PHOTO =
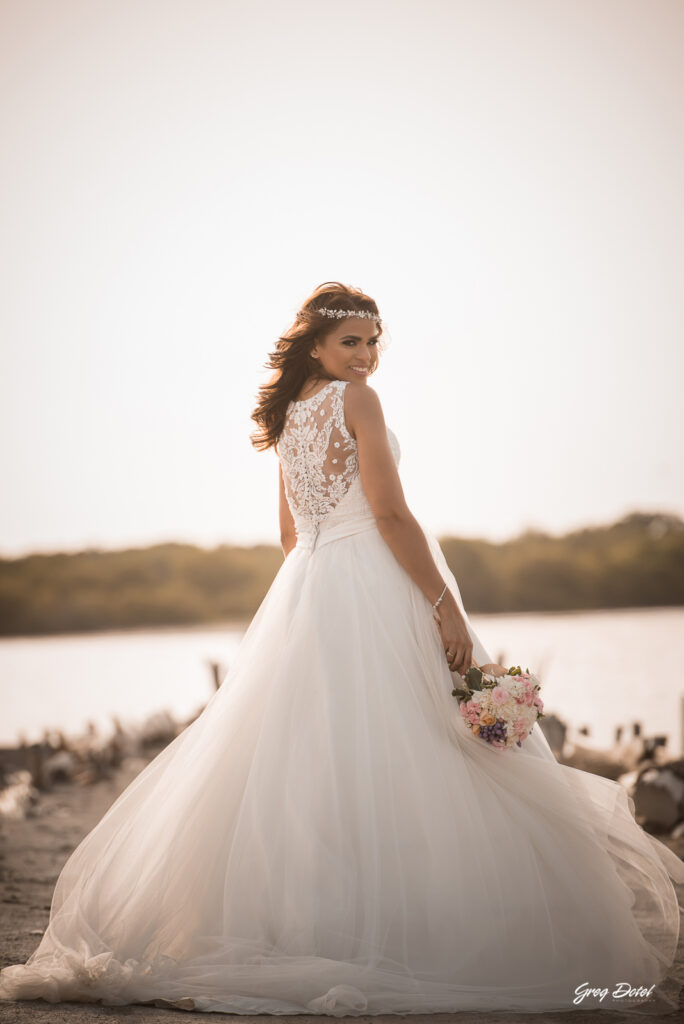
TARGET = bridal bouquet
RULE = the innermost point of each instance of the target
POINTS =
(500, 709)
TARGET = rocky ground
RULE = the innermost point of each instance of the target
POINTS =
(32, 852)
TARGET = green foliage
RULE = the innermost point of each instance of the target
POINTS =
(165, 585)
(636, 562)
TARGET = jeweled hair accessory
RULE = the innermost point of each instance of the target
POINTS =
(339, 313)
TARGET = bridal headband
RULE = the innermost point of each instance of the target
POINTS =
(345, 312)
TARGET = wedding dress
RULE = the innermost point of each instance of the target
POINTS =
(328, 837)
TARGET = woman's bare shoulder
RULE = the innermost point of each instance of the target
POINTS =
(361, 406)
(361, 396)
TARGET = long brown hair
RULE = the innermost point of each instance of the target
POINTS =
(292, 359)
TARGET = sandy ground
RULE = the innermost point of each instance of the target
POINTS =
(32, 853)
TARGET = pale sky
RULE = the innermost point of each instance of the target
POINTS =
(504, 177)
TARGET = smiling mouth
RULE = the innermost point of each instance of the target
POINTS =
(360, 370)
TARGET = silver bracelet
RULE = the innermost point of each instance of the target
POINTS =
(439, 599)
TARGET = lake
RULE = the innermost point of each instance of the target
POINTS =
(598, 669)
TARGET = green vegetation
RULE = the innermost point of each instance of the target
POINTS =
(636, 562)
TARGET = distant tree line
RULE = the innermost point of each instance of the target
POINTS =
(635, 562)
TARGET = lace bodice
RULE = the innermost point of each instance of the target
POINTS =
(319, 461)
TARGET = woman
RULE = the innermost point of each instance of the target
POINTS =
(328, 837)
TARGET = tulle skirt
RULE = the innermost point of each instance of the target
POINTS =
(328, 837)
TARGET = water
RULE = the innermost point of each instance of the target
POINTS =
(599, 669)
(62, 682)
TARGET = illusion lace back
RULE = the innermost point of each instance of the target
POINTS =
(320, 464)
(328, 836)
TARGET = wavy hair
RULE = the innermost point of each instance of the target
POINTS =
(292, 360)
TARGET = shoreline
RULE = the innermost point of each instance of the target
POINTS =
(242, 622)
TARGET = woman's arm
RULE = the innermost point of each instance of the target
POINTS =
(398, 526)
(288, 534)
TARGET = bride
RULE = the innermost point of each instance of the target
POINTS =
(328, 836)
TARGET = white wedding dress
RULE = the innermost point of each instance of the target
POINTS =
(328, 837)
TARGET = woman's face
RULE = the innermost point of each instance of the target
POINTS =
(349, 351)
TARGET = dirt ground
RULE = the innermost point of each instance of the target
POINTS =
(32, 852)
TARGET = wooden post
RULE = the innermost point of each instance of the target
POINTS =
(217, 673)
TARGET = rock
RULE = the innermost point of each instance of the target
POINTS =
(629, 779)
(591, 759)
(158, 728)
(554, 730)
(677, 767)
(60, 767)
(18, 795)
(658, 797)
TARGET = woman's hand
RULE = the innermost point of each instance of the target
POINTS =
(493, 669)
(458, 647)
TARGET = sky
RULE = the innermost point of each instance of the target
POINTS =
(502, 176)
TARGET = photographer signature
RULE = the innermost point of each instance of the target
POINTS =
(623, 989)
